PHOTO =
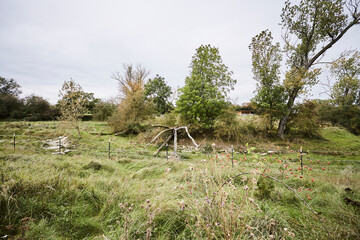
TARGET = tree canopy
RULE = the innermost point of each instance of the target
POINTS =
(346, 71)
(133, 108)
(204, 95)
(311, 28)
(270, 94)
(159, 93)
(72, 103)
(9, 87)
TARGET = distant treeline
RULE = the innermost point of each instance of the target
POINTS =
(36, 108)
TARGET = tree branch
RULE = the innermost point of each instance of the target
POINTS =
(156, 137)
(333, 41)
(162, 145)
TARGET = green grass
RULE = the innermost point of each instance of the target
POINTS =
(86, 195)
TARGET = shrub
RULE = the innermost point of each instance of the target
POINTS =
(228, 127)
(103, 110)
(347, 116)
(306, 121)
(130, 114)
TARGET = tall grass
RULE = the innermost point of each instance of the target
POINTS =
(133, 195)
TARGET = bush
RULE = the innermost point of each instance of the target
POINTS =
(103, 110)
(169, 119)
(229, 128)
(306, 121)
(130, 114)
(347, 116)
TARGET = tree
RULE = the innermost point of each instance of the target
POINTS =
(132, 80)
(266, 58)
(346, 90)
(11, 106)
(90, 101)
(72, 104)
(38, 109)
(9, 87)
(204, 96)
(159, 93)
(133, 108)
(316, 25)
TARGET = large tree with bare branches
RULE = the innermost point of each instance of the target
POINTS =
(133, 107)
(131, 80)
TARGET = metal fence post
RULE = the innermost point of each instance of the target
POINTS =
(109, 148)
(14, 142)
(59, 144)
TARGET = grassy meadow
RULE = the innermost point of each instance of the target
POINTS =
(84, 194)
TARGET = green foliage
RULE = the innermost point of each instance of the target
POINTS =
(159, 93)
(130, 114)
(39, 109)
(72, 103)
(228, 127)
(203, 97)
(312, 23)
(346, 90)
(265, 188)
(11, 107)
(347, 116)
(90, 101)
(312, 28)
(270, 95)
(103, 110)
(9, 87)
(305, 122)
(30, 108)
(169, 119)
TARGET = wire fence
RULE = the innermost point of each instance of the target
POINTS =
(112, 150)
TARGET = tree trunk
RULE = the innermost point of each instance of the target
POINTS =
(282, 125)
(289, 106)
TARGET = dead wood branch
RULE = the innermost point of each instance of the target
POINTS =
(156, 137)
(163, 126)
(162, 145)
(174, 129)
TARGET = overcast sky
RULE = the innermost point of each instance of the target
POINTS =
(46, 42)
